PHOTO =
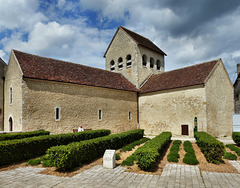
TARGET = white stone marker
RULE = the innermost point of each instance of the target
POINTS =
(109, 159)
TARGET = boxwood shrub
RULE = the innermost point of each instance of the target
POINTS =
(148, 154)
(236, 137)
(189, 157)
(234, 148)
(230, 156)
(136, 143)
(212, 149)
(27, 148)
(12, 136)
(78, 153)
(174, 155)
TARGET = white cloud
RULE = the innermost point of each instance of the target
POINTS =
(19, 14)
(61, 3)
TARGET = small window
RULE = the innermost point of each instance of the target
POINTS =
(129, 60)
(57, 113)
(158, 64)
(1, 111)
(144, 60)
(112, 65)
(10, 95)
(120, 63)
(100, 114)
(151, 63)
(129, 115)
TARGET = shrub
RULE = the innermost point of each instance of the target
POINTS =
(230, 156)
(78, 153)
(136, 143)
(173, 155)
(234, 148)
(117, 156)
(34, 162)
(129, 161)
(27, 148)
(189, 157)
(147, 155)
(236, 137)
(212, 149)
(13, 136)
(47, 163)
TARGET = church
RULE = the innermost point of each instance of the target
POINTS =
(133, 92)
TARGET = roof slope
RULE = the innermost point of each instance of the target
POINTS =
(188, 76)
(56, 70)
(143, 41)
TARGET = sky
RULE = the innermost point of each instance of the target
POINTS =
(79, 31)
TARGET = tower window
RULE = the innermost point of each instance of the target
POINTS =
(10, 95)
(129, 60)
(112, 65)
(129, 115)
(57, 114)
(100, 114)
(158, 64)
(151, 63)
(120, 63)
(144, 60)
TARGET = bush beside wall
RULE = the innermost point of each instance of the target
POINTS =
(78, 153)
(23, 149)
(236, 137)
(212, 149)
(12, 136)
(147, 155)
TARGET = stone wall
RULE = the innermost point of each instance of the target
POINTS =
(2, 68)
(13, 79)
(220, 104)
(79, 105)
(168, 110)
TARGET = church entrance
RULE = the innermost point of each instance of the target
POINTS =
(10, 124)
(184, 129)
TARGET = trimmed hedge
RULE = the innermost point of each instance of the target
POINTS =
(148, 154)
(136, 143)
(212, 149)
(236, 137)
(12, 136)
(174, 155)
(27, 148)
(230, 156)
(234, 148)
(189, 157)
(78, 153)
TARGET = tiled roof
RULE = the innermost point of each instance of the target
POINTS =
(140, 40)
(55, 70)
(188, 76)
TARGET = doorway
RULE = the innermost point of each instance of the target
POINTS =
(184, 129)
(10, 124)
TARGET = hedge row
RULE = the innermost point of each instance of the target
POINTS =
(189, 157)
(174, 155)
(132, 145)
(12, 136)
(78, 153)
(230, 156)
(210, 146)
(18, 150)
(147, 155)
(236, 137)
(234, 148)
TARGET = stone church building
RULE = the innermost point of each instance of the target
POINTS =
(133, 92)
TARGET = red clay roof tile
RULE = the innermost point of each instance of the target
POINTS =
(37, 67)
(188, 76)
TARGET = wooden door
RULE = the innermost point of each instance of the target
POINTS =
(184, 129)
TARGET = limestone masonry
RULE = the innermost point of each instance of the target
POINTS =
(133, 92)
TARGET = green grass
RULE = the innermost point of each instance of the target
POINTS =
(136, 143)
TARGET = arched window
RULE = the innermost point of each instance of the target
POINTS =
(10, 95)
(158, 64)
(120, 63)
(151, 63)
(144, 60)
(10, 122)
(129, 60)
(112, 65)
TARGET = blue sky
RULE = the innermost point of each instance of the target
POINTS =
(79, 31)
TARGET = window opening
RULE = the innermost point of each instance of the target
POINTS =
(158, 64)
(100, 114)
(57, 113)
(129, 115)
(129, 60)
(144, 60)
(151, 63)
(112, 65)
(10, 95)
(10, 124)
(120, 63)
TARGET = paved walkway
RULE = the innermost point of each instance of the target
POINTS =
(173, 175)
